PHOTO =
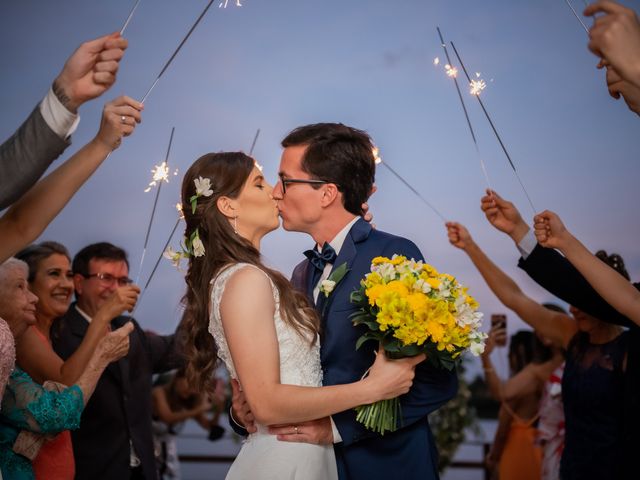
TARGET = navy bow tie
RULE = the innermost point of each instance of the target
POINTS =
(320, 259)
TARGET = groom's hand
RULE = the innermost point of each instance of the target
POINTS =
(240, 409)
(317, 432)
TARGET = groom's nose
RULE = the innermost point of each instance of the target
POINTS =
(277, 192)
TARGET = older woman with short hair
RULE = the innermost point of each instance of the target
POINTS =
(26, 405)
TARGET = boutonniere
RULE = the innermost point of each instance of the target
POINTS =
(327, 286)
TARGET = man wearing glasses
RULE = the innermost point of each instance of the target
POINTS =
(326, 174)
(114, 439)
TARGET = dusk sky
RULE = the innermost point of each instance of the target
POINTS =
(278, 64)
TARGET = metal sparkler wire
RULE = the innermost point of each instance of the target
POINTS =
(155, 204)
(126, 23)
(166, 65)
(486, 114)
(466, 113)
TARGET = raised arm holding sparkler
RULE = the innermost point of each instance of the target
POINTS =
(28, 217)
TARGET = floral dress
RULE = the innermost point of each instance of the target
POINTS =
(26, 405)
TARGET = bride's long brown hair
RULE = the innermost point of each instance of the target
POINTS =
(228, 173)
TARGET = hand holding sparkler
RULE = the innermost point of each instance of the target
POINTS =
(119, 119)
(90, 71)
(503, 215)
(550, 231)
(618, 87)
(615, 37)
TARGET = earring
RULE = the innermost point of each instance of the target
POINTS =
(235, 224)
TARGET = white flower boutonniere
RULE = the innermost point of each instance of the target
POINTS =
(327, 286)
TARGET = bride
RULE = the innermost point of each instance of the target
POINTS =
(250, 317)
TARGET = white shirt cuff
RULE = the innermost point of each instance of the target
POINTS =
(59, 119)
(527, 244)
(336, 434)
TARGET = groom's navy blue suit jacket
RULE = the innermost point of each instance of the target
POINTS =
(410, 452)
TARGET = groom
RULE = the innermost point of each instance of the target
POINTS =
(326, 173)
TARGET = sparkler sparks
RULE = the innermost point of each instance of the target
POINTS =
(477, 86)
(160, 174)
(376, 155)
(451, 71)
(224, 3)
(436, 61)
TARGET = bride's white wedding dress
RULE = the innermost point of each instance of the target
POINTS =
(262, 456)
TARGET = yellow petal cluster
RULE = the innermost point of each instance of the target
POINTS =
(420, 305)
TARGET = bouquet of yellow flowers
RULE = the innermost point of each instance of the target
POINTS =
(411, 308)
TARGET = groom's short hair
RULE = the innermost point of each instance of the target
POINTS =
(338, 154)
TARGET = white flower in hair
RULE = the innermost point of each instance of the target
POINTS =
(198, 247)
(172, 255)
(203, 187)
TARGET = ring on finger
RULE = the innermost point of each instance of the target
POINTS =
(295, 429)
(123, 119)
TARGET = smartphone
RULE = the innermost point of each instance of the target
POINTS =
(499, 320)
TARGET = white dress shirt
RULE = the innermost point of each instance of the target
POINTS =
(336, 244)
(59, 119)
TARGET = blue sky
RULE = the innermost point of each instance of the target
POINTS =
(283, 63)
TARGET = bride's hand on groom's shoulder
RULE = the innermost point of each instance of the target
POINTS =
(240, 410)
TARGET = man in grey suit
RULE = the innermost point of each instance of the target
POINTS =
(44, 135)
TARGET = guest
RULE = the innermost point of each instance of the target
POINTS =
(87, 74)
(114, 439)
(615, 38)
(173, 404)
(530, 366)
(25, 404)
(51, 280)
(27, 218)
(614, 287)
(599, 390)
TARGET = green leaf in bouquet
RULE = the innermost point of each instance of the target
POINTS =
(364, 338)
(410, 350)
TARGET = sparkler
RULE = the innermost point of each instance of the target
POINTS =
(483, 167)
(155, 267)
(193, 27)
(173, 231)
(160, 175)
(578, 16)
(253, 144)
(378, 159)
(486, 114)
(223, 4)
(126, 23)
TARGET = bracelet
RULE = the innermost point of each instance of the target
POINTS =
(233, 419)
(488, 369)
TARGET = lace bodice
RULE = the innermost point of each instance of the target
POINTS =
(7, 354)
(299, 362)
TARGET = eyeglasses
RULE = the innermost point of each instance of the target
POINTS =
(285, 181)
(108, 279)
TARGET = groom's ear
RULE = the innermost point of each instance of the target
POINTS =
(329, 195)
(227, 207)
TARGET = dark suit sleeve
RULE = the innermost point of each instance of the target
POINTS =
(164, 352)
(432, 387)
(556, 274)
(26, 155)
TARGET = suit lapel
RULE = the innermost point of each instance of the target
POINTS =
(359, 232)
(123, 363)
